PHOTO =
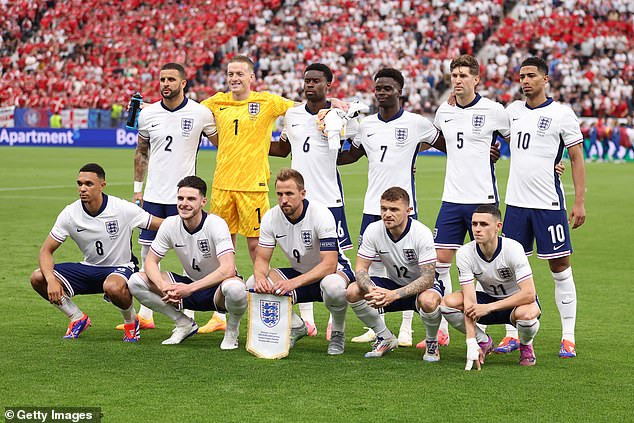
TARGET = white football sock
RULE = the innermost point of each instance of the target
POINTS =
(306, 311)
(455, 318)
(431, 321)
(70, 309)
(333, 290)
(145, 312)
(296, 321)
(406, 324)
(511, 331)
(235, 302)
(444, 276)
(129, 315)
(371, 317)
(527, 330)
(141, 291)
(566, 298)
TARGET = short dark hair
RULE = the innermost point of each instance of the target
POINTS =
(175, 66)
(286, 174)
(467, 61)
(242, 59)
(94, 168)
(193, 182)
(491, 209)
(538, 62)
(321, 68)
(395, 194)
(395, 74)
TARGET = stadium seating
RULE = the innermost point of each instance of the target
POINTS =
(90, 54)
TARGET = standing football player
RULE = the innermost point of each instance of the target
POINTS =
(312, 157)
(535, 204)
(167, 147)
(391, 140)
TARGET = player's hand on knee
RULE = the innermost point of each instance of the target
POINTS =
(283, 287)
(178, 291)
(55, 292)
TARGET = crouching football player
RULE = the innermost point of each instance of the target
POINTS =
(319, 271)
(101, 226)
(508, 295)
(406, 248)
(202, 243)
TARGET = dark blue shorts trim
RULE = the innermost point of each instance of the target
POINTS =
(408, 303)
(83, 279)
(202, 300)
(159, 210)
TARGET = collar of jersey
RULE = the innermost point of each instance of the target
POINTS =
(306, 108)
(198, 228)
(495, 254)
(301, 216)
(180, 106)
(544, 104)
(104, 203)
(396, 116)
(405, 232)
(473, 103)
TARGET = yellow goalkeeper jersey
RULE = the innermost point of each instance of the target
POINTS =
(244, 137)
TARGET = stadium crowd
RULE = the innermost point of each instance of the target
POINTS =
(89, 54)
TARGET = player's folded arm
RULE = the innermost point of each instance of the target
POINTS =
(422, 283)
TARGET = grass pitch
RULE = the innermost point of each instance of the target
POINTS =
(196, 381)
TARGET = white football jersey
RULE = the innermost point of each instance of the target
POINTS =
(312, 158)
(303, 240)
(469, 132)
(104, 239)
(401, 257)
(392, 148)
(500, 275)
(198, 251)
(538, 138)
(174, 137)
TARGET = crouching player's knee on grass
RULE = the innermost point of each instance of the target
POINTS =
(202, 243)
(508, 295)
(406, 248)
(101, 226)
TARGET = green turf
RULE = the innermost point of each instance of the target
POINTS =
(196, 381)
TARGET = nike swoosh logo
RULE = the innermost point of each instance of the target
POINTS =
(514, 119)
(557, 247)
(222, 108)
(369, 135)
(179, 245)
(294, 125)
(81, 230)
(448, 120)
(256, 229)
(567, 300)
(384, 252)
(279, 236)
(477, 274)
(156, 124)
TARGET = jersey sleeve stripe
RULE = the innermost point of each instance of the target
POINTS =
(156, 252)
(523, 278)
(432, 260)
(261, 244)
(149, 221)
(466, 281)
(573, 143)
(56, 238)
(223, 252)
(363, 256)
